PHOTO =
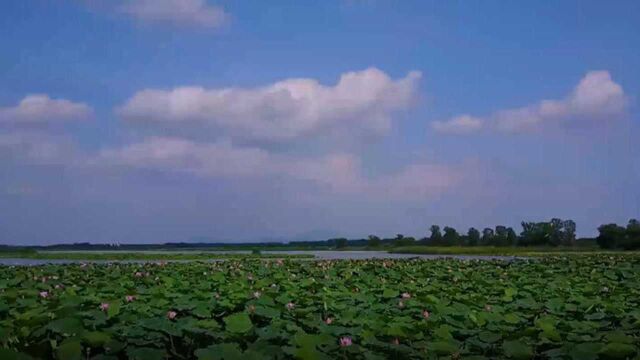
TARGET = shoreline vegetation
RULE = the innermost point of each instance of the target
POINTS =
(504, 250)
(553, 237)
(129, 255)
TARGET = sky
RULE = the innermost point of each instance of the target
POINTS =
(144, 121)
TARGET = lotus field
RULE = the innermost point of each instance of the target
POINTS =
(574, 307)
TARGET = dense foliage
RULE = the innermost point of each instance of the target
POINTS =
(550, 233)
(576, 307)
(613, 236)
(553, 233)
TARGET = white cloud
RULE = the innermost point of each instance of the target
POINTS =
(363, 100)
(169, 153)
(596, 97)
(339, 173)
(197, 13)
(38, 148)
(40, 108)
(463, 124)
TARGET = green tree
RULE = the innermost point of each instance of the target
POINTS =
(341, 243)
(436, 235)
(611, 235)
(451, 236)
(473, 237)
(500, 238)
(512, 238)
(632, 235)
(487, 236)
(536, 234)
(569, 234)
(374, 241)
(405, 241)
(555, 232)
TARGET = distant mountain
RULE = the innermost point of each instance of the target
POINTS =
(313, 235)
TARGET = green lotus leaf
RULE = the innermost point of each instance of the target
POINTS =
(70, 350)
(444, 347)
(9, 354)
(618, 351)
(96, 338)
(70, 325)
(586, 351)
(517, 349)
(144, 353)
(238, 323)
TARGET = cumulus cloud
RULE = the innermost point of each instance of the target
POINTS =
(197, 13)
(463, 124)
(595, 98)
(40, 108)
(339, 172)
(288, 109)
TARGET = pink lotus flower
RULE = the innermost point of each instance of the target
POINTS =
(138, 274)
(257, 294)
(279, 262)
(328, 321)
(400, 304)
(104, 306)
(425, 314)
(130, 298)
(290, 306)
(172, 315)
(345, 341)
(44, 294)
(395, 341)
(406, 295)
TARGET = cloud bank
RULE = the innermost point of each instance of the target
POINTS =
(335, 172)
(192, 13)
(40, 109)
(288, 109)
(595, 98)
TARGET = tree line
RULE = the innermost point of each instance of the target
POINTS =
(614, 236)
(556, 232)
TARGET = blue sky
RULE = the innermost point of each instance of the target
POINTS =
(154, 121)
